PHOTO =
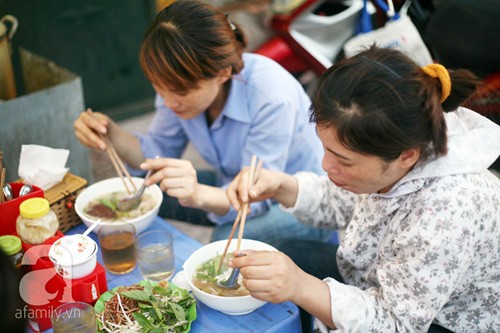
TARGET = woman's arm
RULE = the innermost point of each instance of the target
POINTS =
(315, 298)
(178, 179)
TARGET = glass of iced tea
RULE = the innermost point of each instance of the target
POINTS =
(155, 255)
(74, 317)
(117, 243)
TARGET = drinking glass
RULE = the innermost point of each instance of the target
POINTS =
(74, 317)
(117, 247)
(155, 255)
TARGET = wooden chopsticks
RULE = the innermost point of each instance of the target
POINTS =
(251, 177)
(240, 220)
(119, 166)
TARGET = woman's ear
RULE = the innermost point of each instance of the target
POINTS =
(409, 157)
(225, 74)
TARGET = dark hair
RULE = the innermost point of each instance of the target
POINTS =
(381, 103)
(189, 41)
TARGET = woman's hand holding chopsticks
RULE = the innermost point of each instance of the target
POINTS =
(271, 275)
(266, 185)
(98, 131)
(255, 167)
(256, 184)
(91, 129)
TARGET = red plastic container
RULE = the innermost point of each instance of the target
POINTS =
(34, 264)
(41, 287)
(9, 210)
(278, 50)
(44, 290)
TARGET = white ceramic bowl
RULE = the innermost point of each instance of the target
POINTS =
(74, 256)
(112, 185)
(237, 305)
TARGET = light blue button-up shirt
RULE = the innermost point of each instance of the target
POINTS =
(266, 114)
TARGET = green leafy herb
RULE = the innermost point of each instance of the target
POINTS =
(136, 295)
(108, 202)
(208, 271)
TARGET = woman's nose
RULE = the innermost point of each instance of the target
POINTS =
(172, 104)
(329, 166)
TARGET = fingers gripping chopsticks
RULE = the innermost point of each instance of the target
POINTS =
(240, 220)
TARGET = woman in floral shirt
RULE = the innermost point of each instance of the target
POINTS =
(410, 186)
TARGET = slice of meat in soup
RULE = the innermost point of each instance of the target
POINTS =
(102, 211)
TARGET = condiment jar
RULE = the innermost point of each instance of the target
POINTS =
(36, 221)
(12, 247)
(74, 256)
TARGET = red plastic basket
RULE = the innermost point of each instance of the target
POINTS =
(9, 210)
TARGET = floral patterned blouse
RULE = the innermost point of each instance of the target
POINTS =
(425, 252)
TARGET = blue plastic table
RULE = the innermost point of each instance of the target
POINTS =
(282, 318)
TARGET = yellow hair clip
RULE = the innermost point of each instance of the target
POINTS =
(439, 71)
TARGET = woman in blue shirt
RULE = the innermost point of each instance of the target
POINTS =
(230, 105)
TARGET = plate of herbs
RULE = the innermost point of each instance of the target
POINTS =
(149, 307)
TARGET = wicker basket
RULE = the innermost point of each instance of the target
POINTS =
(62, 198)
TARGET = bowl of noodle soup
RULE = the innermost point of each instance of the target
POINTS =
(96, 203)
(223, 300)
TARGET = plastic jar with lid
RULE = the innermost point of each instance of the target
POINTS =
(12, 247)
(36, 221)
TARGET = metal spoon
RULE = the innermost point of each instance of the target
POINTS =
(7, 192)
(133, 200)
(232, 280)
(27, 188)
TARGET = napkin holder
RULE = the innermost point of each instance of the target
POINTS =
(44, 278)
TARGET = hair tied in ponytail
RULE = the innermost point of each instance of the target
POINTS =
(439, 71)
